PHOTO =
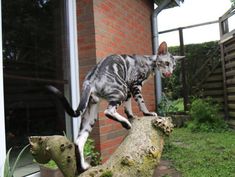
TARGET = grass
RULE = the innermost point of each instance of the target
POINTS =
(201, 154)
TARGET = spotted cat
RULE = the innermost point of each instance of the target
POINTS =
(116, 78)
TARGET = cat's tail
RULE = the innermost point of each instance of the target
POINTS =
(68, 108)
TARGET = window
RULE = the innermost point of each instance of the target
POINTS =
(35, 54)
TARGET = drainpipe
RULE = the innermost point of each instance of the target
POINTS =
(155, 40)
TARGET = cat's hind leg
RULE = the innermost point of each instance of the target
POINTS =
(111, 112)
(88, 121)
(128, 109)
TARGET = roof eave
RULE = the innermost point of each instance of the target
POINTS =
(173, 3)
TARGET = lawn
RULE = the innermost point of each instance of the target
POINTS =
(201, 154)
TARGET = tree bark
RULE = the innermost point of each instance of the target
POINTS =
(137, 155)
(57, 148)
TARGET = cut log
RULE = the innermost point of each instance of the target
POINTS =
(137, 155)
(57, 148)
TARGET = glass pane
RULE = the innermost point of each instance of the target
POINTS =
(33, 56)
(231, 23)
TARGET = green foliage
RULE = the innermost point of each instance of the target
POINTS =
(205, 115)
(10, 169)
(196, 54)
(107, 174)
(172, 85)
(51, 164)
(178, 105)
(90, 152)
(166, 107)
(201, 154)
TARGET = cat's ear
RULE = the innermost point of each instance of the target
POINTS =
(178, 58)
(162, 50)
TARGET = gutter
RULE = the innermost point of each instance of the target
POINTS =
(155, 41)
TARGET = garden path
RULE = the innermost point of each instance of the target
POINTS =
(165, 169)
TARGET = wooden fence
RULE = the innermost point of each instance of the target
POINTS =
(219, 81)
(227, 46)
(185, 87)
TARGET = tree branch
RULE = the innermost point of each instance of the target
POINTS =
(137, 155)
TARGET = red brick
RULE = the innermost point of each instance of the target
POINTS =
(105, 121)
(105, 129)
(111, 143)
(106, 27)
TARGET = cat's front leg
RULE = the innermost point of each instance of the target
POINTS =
(150, 114)
(136, 92)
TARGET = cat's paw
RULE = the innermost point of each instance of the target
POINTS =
(126, 125)
(150, 114)
(86, 165)
(131, 118)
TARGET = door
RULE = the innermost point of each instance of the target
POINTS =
(36, 52)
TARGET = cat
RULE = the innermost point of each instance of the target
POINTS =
(115, 78)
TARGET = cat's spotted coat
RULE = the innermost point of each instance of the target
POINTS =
(116, 78)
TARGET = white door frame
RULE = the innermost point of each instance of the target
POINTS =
(74, 65)
(74, 78)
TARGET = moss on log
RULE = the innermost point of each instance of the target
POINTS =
(137, 155)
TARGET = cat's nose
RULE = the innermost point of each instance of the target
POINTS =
(167, 74)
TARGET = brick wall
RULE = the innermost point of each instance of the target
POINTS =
(106, 27)
(87, 46)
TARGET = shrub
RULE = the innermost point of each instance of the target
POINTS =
(206, 116)
(90, 152)
(178, 105)
(166, 107)
(196, 55)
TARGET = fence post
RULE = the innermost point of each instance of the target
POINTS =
(226, 115)
(183, 70)
(223, 27)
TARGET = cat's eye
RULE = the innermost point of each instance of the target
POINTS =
(167, 63)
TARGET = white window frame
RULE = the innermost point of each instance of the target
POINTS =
(74, 65)
(74, 78)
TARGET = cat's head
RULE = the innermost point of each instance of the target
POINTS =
(165, 62)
